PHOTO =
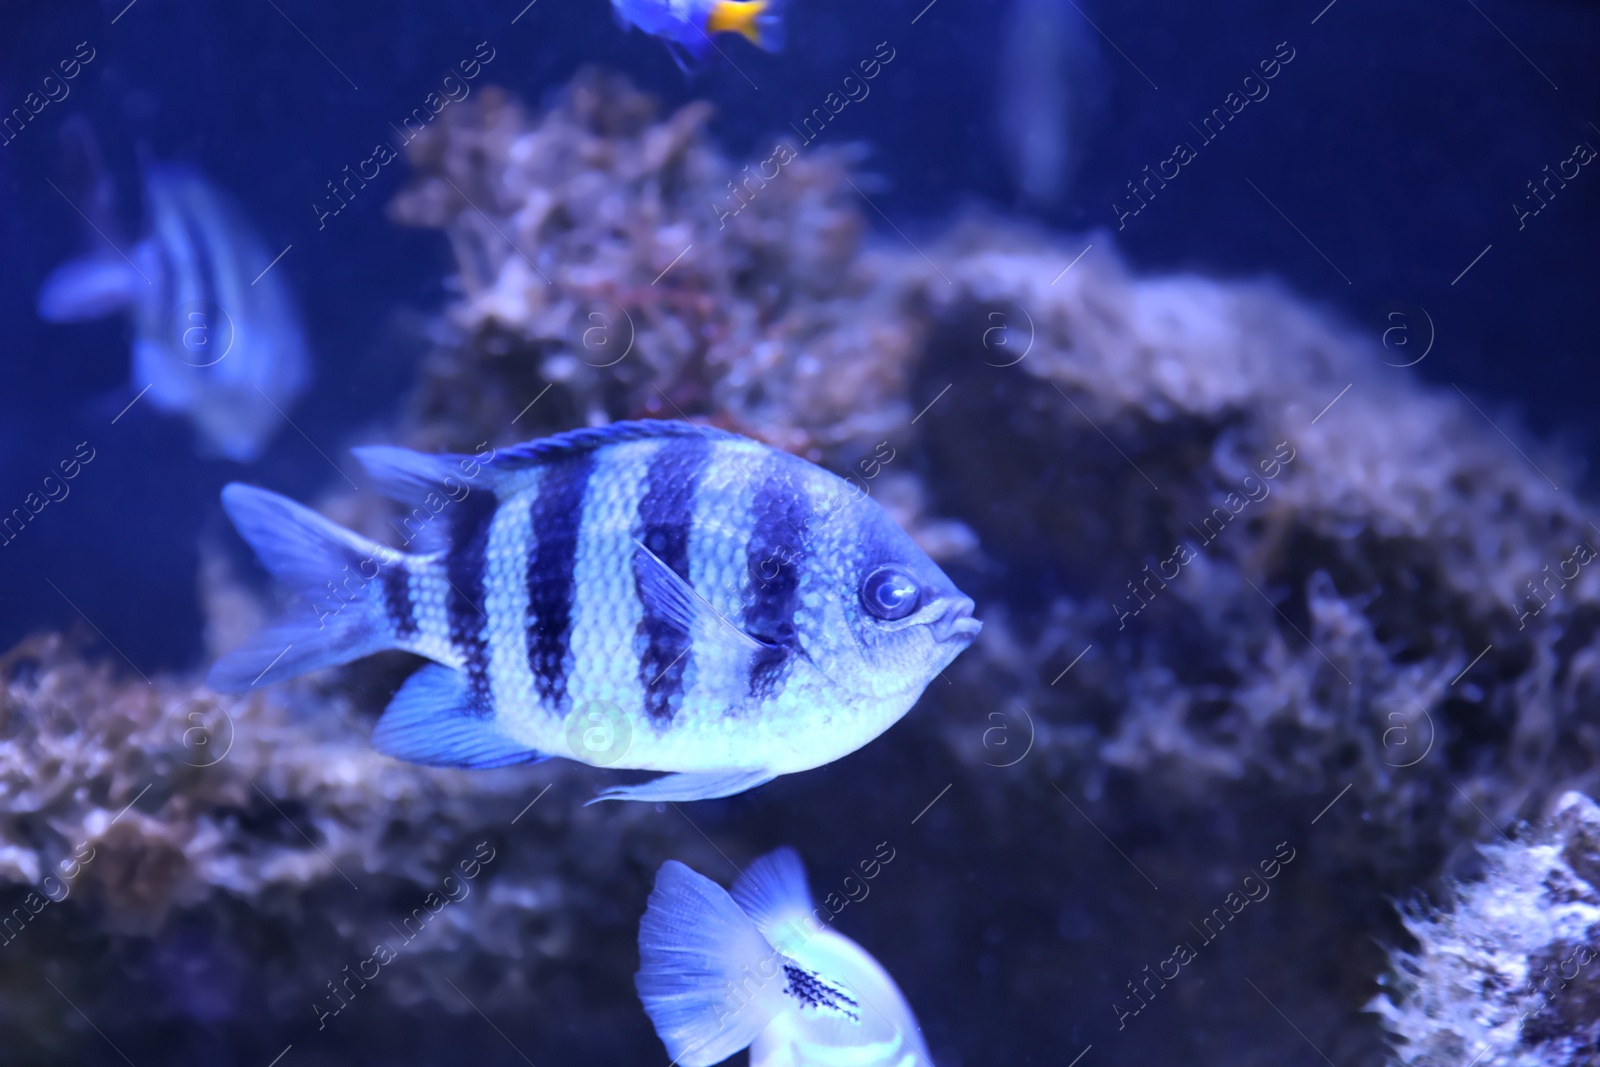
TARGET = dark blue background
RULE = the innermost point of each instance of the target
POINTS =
(1397, 141)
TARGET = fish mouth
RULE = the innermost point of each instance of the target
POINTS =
(957, 623)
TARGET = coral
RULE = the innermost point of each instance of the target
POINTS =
(1506, 977)
(598, 254)
(240, 858)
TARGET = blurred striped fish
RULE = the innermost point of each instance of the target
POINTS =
(648, 595)
(208, 340)
(720, 972)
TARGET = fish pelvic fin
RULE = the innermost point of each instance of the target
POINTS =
(758, 21)
(434, 720)
(338, 615)
(696, 785)
(708, 980)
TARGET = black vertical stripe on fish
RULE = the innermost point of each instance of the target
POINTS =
(167, 295)
(666, 514)
(396, 587)
(775, 556)
(557, 518)
(470, 520)
(196, 339)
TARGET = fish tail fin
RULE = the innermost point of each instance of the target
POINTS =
(759, 21)
(708, 979)
(342, 617)
(89, 288)
(773, 891)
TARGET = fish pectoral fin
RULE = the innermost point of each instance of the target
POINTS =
(668, 597)
(434, 721)
(697, 785)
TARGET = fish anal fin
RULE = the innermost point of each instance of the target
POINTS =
(695, 785)
(434, 721)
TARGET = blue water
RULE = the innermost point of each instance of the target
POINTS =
(1387, 157)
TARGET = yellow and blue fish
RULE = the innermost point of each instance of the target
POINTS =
(755, 969)
(690, 25)
(648, 595)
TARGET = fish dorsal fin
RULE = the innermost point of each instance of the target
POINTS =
(667, 597)
(773, 891)
(433, 480)
(410, 476)
(548, 449)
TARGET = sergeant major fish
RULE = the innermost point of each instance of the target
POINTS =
(734, 611)
(208, 340)
(719, 973)
(690, 24)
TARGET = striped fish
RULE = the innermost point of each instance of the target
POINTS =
(719, 973)
(647, 595)
(214, 336)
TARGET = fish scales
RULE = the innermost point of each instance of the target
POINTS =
(607, 612)
(716, 682)
(397, 603)
(430, 593)
(776, 561)
(556, 510)
(666, 517)
(464, 571)
(505, 602)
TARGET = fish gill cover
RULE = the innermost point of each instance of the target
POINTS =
(1281, 619)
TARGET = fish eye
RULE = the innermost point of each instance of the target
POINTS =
(890, 593)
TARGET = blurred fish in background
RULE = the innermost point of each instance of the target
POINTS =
(720, 972)
(214, 336)
(686, 26)
(1049, 92)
